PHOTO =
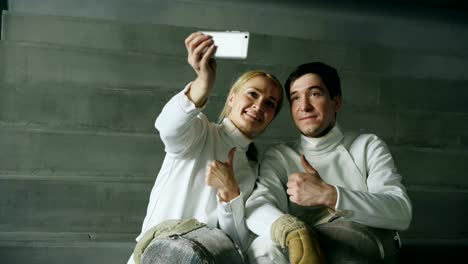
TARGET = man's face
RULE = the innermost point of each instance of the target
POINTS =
(312, 109)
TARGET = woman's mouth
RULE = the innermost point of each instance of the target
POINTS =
(253, 116)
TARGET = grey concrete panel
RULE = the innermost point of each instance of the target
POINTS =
(95, 33)
(35, 64)
(166, 39)
(436, 93)
(25, 63)
(263, 49)
(437, 214)
(82, 107)
(88, 108)
(433, 167)
(295, 19)
(414, 64)
(71, 252)
(72, 206)
(91, 108)
(361, 90)
(41, 151)
(421, 129)
(455, 129)
(381, 122)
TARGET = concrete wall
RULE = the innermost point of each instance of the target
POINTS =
(82, 81)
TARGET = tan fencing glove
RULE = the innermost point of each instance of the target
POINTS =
(302, 243)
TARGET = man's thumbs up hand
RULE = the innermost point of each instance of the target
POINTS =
(307, 167)
(308, 189)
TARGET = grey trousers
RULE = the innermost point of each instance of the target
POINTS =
(349, 242)
(343, 242)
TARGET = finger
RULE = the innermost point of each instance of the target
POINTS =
(308, 168)
(230, 159)
(201, 47)
(209, 54)
(196, 46)
(294, 177)
(213, 62)
(290, 183)
(208, 179)
(190, 38)
(293, 199)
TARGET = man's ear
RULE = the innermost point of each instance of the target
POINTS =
(338, 103)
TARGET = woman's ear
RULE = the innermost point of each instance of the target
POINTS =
(231, 99)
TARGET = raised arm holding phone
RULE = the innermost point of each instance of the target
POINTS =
(210, 168)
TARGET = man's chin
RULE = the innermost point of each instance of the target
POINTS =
(310, 132)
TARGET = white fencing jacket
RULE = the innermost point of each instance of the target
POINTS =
(191, 144)
(361, 168)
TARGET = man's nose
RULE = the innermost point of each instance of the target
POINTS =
(305, 104)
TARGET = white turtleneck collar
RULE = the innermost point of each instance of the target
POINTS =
(322, 144)
(234, 135)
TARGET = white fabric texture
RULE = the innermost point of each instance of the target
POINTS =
(361, 168)
(191, 144)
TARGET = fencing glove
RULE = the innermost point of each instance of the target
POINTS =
(302, 243)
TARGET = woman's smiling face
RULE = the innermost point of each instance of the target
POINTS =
(253, 107)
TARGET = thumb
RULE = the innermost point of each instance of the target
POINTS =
(308, 168)
(231, 156)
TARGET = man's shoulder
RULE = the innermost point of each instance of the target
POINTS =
(287, 145)
(360, 138)
(282, 150)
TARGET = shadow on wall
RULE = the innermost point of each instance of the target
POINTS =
(3, 6)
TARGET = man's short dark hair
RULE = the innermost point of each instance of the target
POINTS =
(328, 74)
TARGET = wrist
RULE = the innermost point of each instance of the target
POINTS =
(227, 195)
(198, 92)
(331, 198)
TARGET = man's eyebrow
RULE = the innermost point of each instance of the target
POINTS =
(315, 87)
(309, 88)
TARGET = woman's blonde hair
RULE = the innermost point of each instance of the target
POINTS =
(245, 77)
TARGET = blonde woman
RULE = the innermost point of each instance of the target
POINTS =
(210, 169)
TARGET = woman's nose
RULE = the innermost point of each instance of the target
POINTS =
(259, 106)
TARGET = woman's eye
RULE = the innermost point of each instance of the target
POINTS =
(253, 94)
(270, 104)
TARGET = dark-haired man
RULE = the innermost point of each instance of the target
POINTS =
(345, 186)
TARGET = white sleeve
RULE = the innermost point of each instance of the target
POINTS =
(180, 124)
(386, 204)
(269, 200)
(231, 219)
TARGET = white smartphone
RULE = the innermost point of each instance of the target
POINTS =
(231, 44)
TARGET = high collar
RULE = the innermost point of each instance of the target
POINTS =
(322, 144)
(235, 136)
